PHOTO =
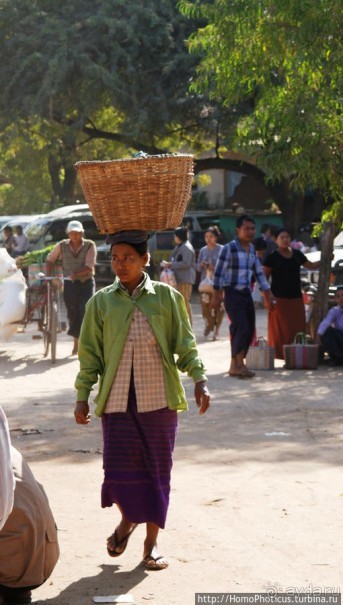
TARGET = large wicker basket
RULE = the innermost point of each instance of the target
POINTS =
(146, 193)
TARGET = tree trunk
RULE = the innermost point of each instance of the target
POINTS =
(321, 300)
(54, 168)
(63, 181)
(69, 184)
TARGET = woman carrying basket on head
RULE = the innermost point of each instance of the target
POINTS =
(130, 334)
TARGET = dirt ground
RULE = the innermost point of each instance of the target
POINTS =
(257, 485)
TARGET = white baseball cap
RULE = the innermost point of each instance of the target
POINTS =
(74, 226)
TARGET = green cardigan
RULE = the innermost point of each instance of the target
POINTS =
(105, 328)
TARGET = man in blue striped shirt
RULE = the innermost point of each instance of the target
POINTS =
(236, 266)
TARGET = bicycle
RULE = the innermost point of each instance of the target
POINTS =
(44, 306)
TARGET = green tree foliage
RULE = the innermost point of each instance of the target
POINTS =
(78, 71)
(28, 185)
(63, 61)
(283, 59)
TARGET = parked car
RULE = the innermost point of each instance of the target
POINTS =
(161, 244)
(4, 220)
(16, 220)
(51, 228)
(71, 209)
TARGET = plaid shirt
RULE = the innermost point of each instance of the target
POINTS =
(235, 267)
(141, 351)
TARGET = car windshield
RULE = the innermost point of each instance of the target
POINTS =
(37, 229)
(13, 223)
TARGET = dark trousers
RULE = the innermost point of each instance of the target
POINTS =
(240, 308)
(76, 294)
(332, 342)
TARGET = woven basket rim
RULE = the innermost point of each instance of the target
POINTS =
(138, 159)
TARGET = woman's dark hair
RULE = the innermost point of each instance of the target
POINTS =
(283, 230)
(214, 229)
(181, 233)
(244, 218)
(141, 248)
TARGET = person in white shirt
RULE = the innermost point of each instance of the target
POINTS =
(22, 243)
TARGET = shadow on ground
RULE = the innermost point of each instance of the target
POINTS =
(108, 582)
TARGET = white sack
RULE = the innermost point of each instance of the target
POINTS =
(7, 264)
(12, 298)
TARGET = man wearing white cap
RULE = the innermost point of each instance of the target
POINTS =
(78, 256)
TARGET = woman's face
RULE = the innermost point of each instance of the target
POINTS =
(210, 239)
(127, 264)
(283, 240)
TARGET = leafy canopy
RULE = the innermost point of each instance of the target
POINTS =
(95, 79)
(284, 58)
(65, 61)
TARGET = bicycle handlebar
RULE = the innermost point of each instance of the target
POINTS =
(51, 277)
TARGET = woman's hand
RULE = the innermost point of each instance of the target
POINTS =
(269, 300)
(202, 396)
(81, 412)
(216, 299)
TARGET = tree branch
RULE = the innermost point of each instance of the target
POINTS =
(96, 133)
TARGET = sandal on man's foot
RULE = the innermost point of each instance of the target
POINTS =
(119, 543)
(155, 561)
(245, 373)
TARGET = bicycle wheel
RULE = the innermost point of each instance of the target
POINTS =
(44, 321)
(53, 330)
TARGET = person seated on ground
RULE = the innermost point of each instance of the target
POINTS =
(28, 536)
(330, 331)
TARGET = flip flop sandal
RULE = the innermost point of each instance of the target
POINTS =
(118, 543)
(152, 563)
(246, 374)
(242, 375)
